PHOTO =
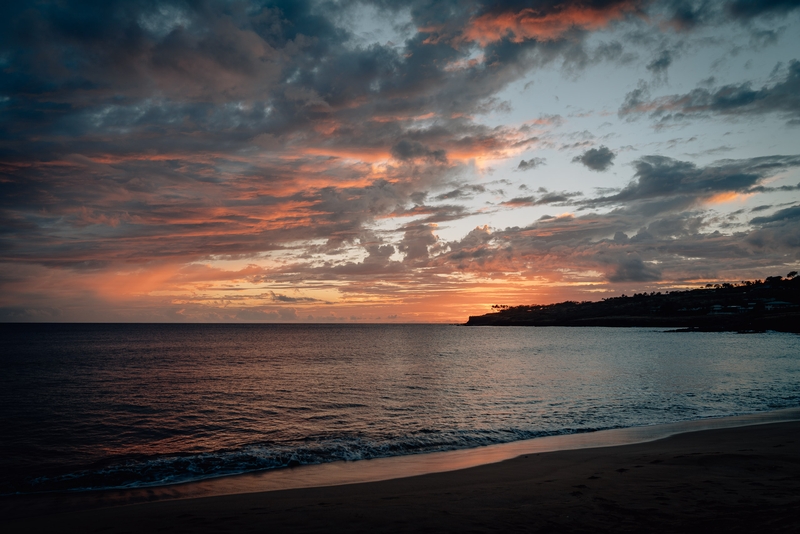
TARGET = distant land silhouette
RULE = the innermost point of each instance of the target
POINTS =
(757, 306)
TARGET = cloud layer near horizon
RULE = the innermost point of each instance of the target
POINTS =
(280, 161)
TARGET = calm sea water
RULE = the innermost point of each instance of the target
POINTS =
(103, 406)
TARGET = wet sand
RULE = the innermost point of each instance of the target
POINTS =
(740, 479)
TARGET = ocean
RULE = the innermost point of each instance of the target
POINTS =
(100, 406)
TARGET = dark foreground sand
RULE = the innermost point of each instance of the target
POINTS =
(744, 479)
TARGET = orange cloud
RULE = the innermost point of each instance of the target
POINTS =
(728, 196)
(531, 23)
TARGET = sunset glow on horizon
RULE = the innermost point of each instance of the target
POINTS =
(410, 161)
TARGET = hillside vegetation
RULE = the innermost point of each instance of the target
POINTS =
(757, 306)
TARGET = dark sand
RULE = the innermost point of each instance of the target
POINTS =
(744, 479)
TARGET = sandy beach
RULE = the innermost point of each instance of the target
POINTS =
(725, 480)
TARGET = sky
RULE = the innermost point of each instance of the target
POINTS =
(389, 161)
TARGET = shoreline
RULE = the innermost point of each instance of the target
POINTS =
(737, 479)
(389, 472)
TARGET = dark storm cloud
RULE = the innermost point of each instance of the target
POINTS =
(782, 97)
(596, 159)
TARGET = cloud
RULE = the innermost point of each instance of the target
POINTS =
(546, 22)
(467, 191)
(687, 15)
(416, 242)
(780, 216)
(434, 214)
(409, 150)
(530, 164)
(782, 97)
(661, 63)
(772, 189)
(276, 297)
(552, 197)
(150, 149)
(634, 270)
(596, 159)
(744, 9)
(662, 249)
(667, 184)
